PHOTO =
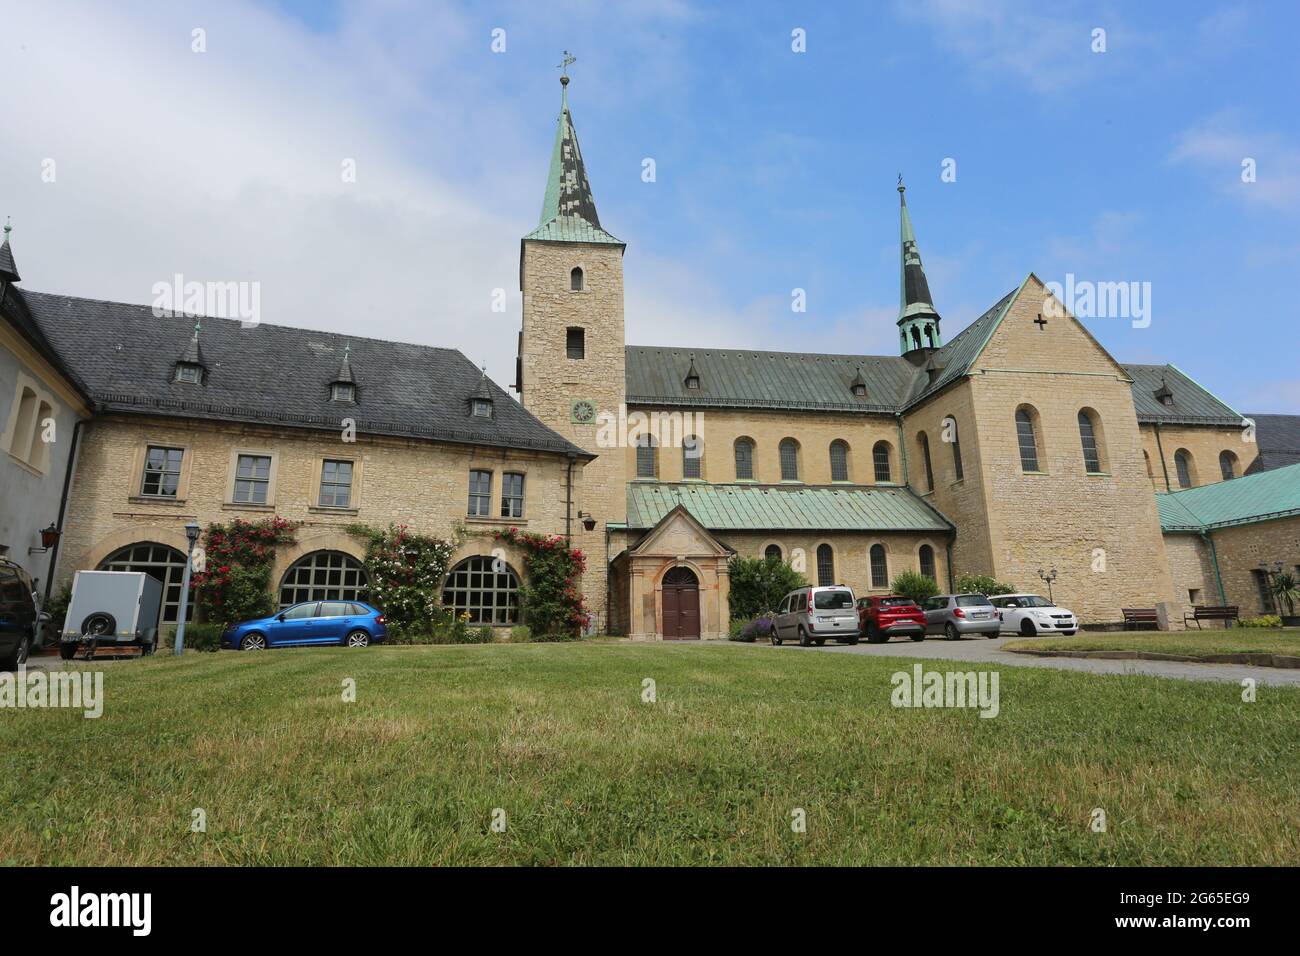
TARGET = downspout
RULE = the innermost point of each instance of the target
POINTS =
(1160, 449)
(609, 584)
(902, 446)
(63, 507)
(952, 587)
(1218, 576)
(568, 502)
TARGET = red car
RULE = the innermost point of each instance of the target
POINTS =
(882, 617)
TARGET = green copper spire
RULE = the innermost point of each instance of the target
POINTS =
(8, 271)
(918, 320)
(568, 208)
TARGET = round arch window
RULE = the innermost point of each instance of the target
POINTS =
(324, 576)
(158, 561)
(773, 551)
(487, 592)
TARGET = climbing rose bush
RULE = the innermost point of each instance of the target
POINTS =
(235, 584)
(551, 596)
(405, 572)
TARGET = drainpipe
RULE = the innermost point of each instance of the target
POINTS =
(568, 502)
(63, 507)
(1161, 450)
(902, 446)
(952, 587)
(609, 585)
(1218, 576)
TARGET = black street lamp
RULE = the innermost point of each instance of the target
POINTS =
(192, 531)
(49, 538)
(1049, 577)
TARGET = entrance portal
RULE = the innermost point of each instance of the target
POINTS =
(681, 590)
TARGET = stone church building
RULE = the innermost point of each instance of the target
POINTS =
(1015, 444)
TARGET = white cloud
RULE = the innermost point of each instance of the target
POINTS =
(226, 165)
(1220, 143)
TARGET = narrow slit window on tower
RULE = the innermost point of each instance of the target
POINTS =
(575, 279)
(575, 343)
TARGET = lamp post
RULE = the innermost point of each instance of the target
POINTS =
(192, 536)
(1049, 577)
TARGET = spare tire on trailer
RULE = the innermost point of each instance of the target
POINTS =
(99, 624)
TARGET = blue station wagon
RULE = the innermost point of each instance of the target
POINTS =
(350, 623)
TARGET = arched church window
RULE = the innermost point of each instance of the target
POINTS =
(744, 459)
(925, 455)
(646, 457)
(880, 460)
(1183, 466)
(575, 279)
(692, 452)
(879, 567)
(926, 556)
(1227, 465)
(1027, 439)
(789, 450)
(839, 460)
(1088, 438)
(825, 565)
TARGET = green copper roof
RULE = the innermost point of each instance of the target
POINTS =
(740, 507)
(914, 298)
(568, 208)
(1262, 497)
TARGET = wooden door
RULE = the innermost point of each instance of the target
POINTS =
(681, 605)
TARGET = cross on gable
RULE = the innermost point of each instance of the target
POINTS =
(1040, 322)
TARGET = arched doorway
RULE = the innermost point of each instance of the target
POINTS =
(681, 603)
(324, 576)
(158, 561)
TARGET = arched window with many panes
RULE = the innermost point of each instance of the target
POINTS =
(484, 588)
(744, 459)
(324, 576)
(773, 552)
(789, 453)
(881, 463)
(1183, 467)
(647, 457)
(1027, 439)
(879, 567)
(839, 460)
(158, 561)
(825, 565)
(926, 559)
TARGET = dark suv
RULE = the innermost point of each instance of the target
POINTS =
(20, 621)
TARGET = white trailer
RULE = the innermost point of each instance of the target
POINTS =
(111, 609)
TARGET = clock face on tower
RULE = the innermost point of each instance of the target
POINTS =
(582, 412)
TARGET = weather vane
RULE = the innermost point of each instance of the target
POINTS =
(564, 65)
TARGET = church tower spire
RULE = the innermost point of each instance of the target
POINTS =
(918, 320)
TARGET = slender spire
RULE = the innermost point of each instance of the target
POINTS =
(568, 208)
(918, 320)
(193, 352)
(344, 376)
(8, 271)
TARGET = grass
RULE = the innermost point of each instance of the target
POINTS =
(1235, 640)
(558, 737)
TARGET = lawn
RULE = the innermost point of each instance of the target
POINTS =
(558, 737)
(1234, 640)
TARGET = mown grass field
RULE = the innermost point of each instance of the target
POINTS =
(1235, 640)
(558, 737)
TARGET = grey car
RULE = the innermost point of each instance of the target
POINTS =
(957, 614)
(812, 614)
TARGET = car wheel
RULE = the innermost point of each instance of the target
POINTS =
(919, 637)
(1068, 633)
(253, 642)
(1027, 628)
(993, 635)
(776, 641)
(358, 638)
(18, 658)
(820, 642)
(850, 641)
(68, 650)
(803, 638)
(951, 630)
(873, 634)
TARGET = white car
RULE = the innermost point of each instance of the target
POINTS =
(1031, 614)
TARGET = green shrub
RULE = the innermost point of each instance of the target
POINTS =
(758, 584)
(914, 585)
(205, 638)
(521, 634)
(747, 632)
(1268, 620)
(983, 584)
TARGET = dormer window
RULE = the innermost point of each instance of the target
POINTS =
(859, 384)
(1163, 395)
(860, 390)
(482, 408)
(189, 373)
(575, 280)
(343, 392)
(692, 381)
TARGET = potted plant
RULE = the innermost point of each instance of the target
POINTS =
(1286, 590)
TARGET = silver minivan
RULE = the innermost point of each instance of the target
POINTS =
(958, 614)
(812, 614)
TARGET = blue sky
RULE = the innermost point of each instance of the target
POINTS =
(775, 169)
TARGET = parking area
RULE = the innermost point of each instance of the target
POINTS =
(985, 651)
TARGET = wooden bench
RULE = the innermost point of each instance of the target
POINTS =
(1203, 612)
(1137, 618)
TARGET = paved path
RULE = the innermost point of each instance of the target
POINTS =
(984, 651)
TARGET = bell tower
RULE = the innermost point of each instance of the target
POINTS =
(918, 321)
(570, 366)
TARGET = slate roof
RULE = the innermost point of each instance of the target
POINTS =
(15, 310)
(1277, 438)
(1193, 404)
(1246, 500)
(7, 268)
(272, 374)
(742, 507)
